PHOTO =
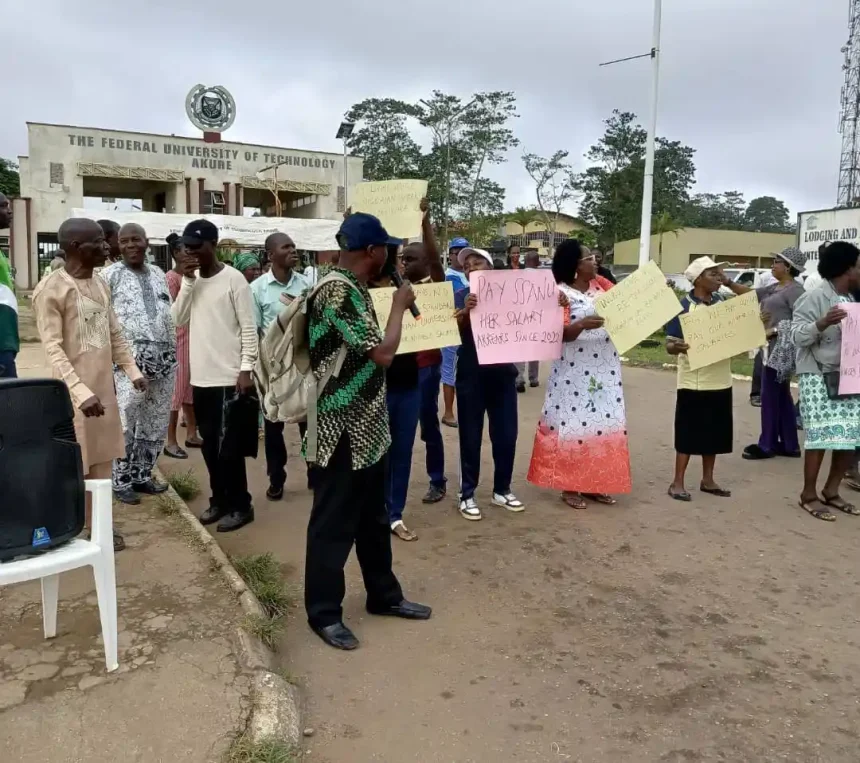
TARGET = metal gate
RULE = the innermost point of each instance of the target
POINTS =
(47, 245)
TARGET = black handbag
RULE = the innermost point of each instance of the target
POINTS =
(242, 426)
(831, 384)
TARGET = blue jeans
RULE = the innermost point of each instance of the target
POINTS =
(403, 407)
(429, 380)
(7, 365)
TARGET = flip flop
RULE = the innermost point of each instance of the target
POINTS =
(575, 501)
(836, 502)
(822, 514)
(853, 484)
(403, 532)
(717, 491)
(606, 500)
(683, 495)
(174, 451)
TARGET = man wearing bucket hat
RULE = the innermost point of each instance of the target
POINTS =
(703, 408)
(778, 419)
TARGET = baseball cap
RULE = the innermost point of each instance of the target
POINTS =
(697, 267)
(198, 232)
(466, 251)
(458, 243)
(361, 230)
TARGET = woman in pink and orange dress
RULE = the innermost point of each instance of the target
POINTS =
(580, 446)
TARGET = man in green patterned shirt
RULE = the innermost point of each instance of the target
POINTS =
(8, 304)
(353, 437)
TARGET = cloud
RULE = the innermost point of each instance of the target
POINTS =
(753, 87)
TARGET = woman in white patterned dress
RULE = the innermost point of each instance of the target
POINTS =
(580, 446)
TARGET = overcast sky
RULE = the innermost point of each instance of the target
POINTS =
(752, 85)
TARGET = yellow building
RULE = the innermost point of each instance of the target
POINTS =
(536, 235)
(734, 246)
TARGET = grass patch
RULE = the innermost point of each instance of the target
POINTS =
(185, 484)
(166, 506)
(655, 356)
(267, 629)
(270, 751)
(262, 574)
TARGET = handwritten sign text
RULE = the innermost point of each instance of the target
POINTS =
(518, 317)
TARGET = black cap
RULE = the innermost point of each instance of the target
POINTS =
(199, 231)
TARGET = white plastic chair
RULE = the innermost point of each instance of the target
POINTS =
(97, 553)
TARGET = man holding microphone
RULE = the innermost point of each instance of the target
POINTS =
(352, 436)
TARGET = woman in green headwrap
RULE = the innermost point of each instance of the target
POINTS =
(248, 265)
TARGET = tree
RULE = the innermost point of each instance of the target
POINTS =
(661, 225)
(555, 186)
(10, 180)
(486, 138)
(523, 216)
(612, 186)
(382, 137)
(767, 214)
(585, 236)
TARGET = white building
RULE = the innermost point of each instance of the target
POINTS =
(166, 173)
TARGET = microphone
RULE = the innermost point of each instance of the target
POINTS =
(398, 282)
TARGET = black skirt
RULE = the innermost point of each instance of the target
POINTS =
(703, 422)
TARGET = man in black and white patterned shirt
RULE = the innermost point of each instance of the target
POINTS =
(141, 301)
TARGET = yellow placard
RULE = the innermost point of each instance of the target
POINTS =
(395, 202)
(637, 307)
(437, 327)
(723, 331)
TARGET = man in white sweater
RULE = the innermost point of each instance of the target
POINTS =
(216, 301)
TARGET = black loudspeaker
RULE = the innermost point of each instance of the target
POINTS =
(41, 473)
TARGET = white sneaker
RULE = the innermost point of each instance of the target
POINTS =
(469, 510)
(509, 501)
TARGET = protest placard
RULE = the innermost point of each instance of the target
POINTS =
(437, 326)
(723, 331)
(395, 202)
(517, 317)
(849, 366)
(637, 307)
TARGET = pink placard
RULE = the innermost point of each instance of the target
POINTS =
(517, 317)
(849, 366)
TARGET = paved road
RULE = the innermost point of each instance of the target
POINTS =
(649, 631)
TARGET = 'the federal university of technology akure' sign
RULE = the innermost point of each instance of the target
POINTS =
(201, 156)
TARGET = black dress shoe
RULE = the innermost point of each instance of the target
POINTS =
(212, 515)
(151, 487)
(337, 635)
(234, 520)
(275, 493)
(127, 496)
(408, 610)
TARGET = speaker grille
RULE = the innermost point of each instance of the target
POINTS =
(41, 474)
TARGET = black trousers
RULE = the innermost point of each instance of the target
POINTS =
(349, 508)
(276, 452)
(497, 397)
(228, 479)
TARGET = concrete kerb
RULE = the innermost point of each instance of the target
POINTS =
(275, 703)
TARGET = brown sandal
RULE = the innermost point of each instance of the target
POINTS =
(837, 502)
(403, 532)
(606, 500)
(822, 514)
(574, 500)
